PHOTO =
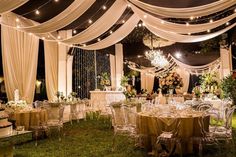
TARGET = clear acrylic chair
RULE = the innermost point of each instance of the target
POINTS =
(206, 137)
(55, 118)
(168, 128)
(224, 132)
(204, 106)
(118, 121)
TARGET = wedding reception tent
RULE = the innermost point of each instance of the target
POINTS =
(117, 78)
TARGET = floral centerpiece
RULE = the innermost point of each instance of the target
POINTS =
(130, 94)
(171, 81)
(105, 79)
(72, 97)
(17, 106)
(197, 92)
(209, 82)
(60, 96)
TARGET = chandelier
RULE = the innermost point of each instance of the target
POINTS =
(155, 56)
(157, 59)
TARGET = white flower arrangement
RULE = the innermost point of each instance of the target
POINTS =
(13, 106)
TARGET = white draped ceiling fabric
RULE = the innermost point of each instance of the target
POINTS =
(70, 14)
(51, 68)
(185, 12)
(7, 6)
(20, 57)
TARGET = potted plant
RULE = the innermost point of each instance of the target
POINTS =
(228, 86)
(105, 80)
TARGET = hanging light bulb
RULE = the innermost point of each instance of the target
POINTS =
(90, 21)
(104, 7)
(37, 12)
(74, 31)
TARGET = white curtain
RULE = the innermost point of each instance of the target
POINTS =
(185, 12)
(100, 26)
(9, 5)
(147, 82)
(20, 56)
(171, 36)
(113, 71)
(70, 14)
(185, 77)
(116, 36)
(179, 28)
(51, 68)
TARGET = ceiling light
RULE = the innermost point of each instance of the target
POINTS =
(157, 58)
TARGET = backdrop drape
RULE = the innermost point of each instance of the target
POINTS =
(147, 82)
(51, 68)
(20, 57)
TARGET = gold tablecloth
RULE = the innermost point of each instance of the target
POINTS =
(189, 127)
(29, 118)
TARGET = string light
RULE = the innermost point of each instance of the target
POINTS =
(123, 21)
(111, 31)
(56, 0)
(211, 20)
(98, 39)
(90, 21)
(84, 45)
(145, 16)
(191, 18)
(17, 19)
(58, 37)
(227, 23)
(74, 31)
(129, 5)
(104, 7)
(189, 33)
(162, 22)
(208, 30)
(187, 24)
(37, 12)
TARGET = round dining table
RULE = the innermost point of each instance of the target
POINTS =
(148, 130)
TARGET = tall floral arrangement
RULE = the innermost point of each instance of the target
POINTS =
(228, 86)
(171, 80)
(209, 82)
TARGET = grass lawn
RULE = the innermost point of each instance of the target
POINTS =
(93, 138)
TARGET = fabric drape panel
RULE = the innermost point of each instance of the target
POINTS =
(113, 71)
(147, 82)
(185, 77)
(185, 38)
(179, 28)
(116, 36)
(20, 56)
(185, 12)
(9, 5)
(51, 68)
(70, 14)
(100, 26)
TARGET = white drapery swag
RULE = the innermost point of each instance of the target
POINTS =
(20, 57)
(100, 26)
(9, 5)
(185, 12)
(179, 28)
(185, 38)
(70, 14)
(116, 36)
(147, 82)
(185, 77)
(51, 68)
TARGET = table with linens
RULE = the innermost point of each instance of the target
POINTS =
(29, 118)
(189, 127)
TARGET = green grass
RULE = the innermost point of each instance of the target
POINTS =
(93, 138)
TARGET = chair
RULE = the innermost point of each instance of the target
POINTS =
(118, 121)
(206, 137)
(38, 126)
(224, 132)
(168, 128)
(130, 118)
(55, 118)
(205, 106)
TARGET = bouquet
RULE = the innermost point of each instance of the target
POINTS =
(171, 80)
(130, 93)
(16, 106)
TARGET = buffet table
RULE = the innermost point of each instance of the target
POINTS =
(101, 99)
